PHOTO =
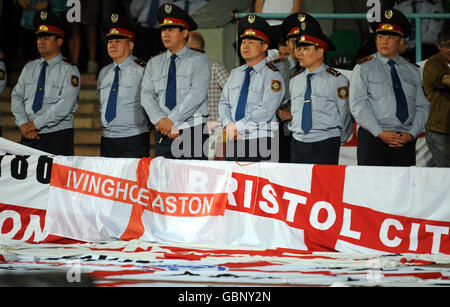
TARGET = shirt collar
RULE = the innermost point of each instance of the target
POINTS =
(258, 67)
(125, 63)
(180, 53)
(53, 61)
(384, 60)
(319, 69)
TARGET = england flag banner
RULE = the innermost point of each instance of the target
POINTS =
(48, 199)
(302, 207)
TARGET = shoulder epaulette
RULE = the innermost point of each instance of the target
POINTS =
(140, 62)
(414, 64)
(271, 66)
(364, 60)
(298, 72)
(278, 61)
(333, 72)
(162, 52)
(68, 61)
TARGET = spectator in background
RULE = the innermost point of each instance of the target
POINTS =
(430, 27)
(89, 20)
(277, 6)
(436, 82)
(219, 77)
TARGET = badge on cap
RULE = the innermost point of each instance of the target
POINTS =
(114, 18)
(301, 17)
(303, 26)
(388, 14)
(251, 18)
(168, 8)
(44, 15)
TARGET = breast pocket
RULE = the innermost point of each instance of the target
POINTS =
(129, 89)
(52, 91)
(234, 91)
(410, 89)
(159, 85)
(104, 90)
(378, 87)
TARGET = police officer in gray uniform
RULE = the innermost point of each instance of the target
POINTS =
(125, 128)
(387, 99)
(289, 66)
(46, 95)
(321, 119)
(251, 97)
(175, 90)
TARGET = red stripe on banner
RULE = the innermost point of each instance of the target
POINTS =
(27, 225)
(326, 219)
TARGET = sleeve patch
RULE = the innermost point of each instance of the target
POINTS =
(343, 92)
(276, 86)
(75, 81)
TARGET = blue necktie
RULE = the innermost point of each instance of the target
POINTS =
(151, 17)
(111, 108)
(307, 107)
(240, 110)
(40, 91)
(171, 90)
(402, 105)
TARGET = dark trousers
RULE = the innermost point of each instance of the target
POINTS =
(254, 150)
(59, 143)
(324, 152)
(191, 145)
(136, 147)
(284, 145)
(374, 152)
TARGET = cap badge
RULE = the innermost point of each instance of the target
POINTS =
(388, 14)
(168, 8)
(301, 17)
(44, 15)
(302, 38)
(303, 26)
(43, 28)
(387, 27)
(251, 18)
(114, 18)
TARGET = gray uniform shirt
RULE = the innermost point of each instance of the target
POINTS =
(331, 115)
(62, 88)
(372, 98)
(265, 95)
(193, 78)
(130, 115)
